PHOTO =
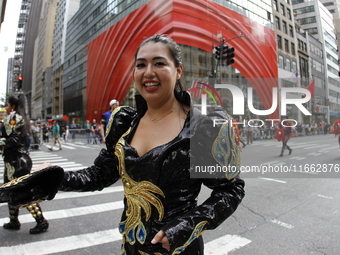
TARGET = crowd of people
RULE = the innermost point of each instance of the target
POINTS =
(267, 131)
(94, 132)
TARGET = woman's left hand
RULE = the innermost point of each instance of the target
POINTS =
(160, 237)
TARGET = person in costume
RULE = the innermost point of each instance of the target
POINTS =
(286, 134)
(155, 150)
(15, 144)
(336, 129)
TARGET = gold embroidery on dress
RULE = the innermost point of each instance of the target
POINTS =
(139, 195)
(199, 230)
(109, 124)
(15, 181)
(12, 125)
(10, 171)
(226, 152)
(144, 253)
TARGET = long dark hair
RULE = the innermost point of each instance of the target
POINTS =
(19, 104)
(175, 52)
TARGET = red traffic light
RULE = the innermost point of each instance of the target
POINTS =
(20, 78)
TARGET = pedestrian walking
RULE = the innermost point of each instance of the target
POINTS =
(336, 130)
(286, 127)
(55, 135)
(17, 162)
(94, 131)
(73, 128)
(88, 131)
(45, 131)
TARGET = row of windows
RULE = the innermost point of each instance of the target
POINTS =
(317, 66)
(286, 45)
(305, 9)
(286, 12)
(334, 82)
(332, 70)
(315, 50)
(329, 46)
(312, 31)
(333, 93)
(301, 1)
(259, 11)
(330, 37)
(320, 83)
(328, 4)
(99, 11)
(307, 20)
(284, 26)
(333, 59)
(289, 65)
(302, 45)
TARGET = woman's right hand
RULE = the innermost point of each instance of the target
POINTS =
(42, 166)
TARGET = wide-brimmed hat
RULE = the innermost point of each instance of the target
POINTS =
(31, 188)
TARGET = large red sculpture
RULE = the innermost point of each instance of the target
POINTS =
(189, 22)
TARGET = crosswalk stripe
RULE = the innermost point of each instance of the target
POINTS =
(63, 244)
(225, 244)
(44, 155)
(319, 146)
(61, 164)
(49, 160)
(220, 246)
(72, 195)
(72, 212)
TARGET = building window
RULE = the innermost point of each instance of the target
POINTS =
(292, 46)
(284, 27)
(308, 20)
(286, 45)
(289, 14)
(294, 66)
(291, 31)
(288, 64)
(282, 10)
(277, 23)
(305, 9)
(281, 63)
(279, 42)
(275, 5)
(312, 31)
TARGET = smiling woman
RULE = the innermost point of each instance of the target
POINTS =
(153, 150)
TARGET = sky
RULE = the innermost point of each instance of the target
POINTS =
(8, 33)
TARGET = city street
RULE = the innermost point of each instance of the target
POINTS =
(295, 212)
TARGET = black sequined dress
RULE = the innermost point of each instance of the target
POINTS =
(159, 191)
(14, 144)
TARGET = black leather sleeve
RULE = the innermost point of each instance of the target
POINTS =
(104, 172)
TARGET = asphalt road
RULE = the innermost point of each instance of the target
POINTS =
(283, 212)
